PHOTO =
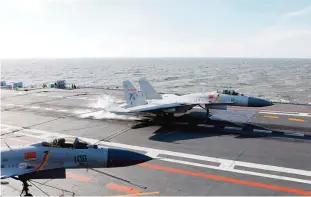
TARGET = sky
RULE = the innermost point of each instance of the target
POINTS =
(155, 28)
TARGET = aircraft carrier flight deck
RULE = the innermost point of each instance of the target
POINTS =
(242, 151)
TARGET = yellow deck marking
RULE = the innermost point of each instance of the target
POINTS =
(268, 116)
(296, 119)
(141, 194)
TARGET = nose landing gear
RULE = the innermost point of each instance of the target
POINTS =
(25, 188)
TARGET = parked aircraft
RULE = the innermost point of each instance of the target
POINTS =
(49, 160)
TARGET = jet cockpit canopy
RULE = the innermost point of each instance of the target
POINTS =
(69, 142)
(229, 92)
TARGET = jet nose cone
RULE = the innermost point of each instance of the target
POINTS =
(122, 158)
(258, 102)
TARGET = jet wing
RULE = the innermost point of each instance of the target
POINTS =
(204, 102)
(153, 107)
(11, 172)
(158, 107)
(225, 103)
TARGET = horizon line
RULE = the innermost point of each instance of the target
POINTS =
(153, 57)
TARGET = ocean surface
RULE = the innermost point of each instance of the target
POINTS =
(284, 80)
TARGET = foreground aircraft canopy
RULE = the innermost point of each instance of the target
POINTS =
(49, 160)
(149, 101)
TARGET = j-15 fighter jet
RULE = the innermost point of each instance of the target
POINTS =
(49, 160)
(148, 101)
(225, 96)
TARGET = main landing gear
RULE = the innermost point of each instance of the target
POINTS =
(165, 115)
(162, 119)
(165, 118)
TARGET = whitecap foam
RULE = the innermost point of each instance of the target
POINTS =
(279, 101)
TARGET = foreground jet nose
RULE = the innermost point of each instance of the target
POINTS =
(122, 158)
(257, 102)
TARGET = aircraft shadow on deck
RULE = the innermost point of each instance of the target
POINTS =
(187, 128)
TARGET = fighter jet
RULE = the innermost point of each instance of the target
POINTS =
(168, 105)
(225, 96)
(50, 159)
(148, 101)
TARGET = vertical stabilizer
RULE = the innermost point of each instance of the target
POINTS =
(132, 96)
(148, 89)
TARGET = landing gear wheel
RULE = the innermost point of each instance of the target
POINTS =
(207, 115)
(207, 112)
(168, 119)
(164, 119)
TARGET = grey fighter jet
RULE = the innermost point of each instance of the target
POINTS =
(148, 101)
(226, 97)
(49, 160)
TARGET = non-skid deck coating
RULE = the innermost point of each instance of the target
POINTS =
(192, 157)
